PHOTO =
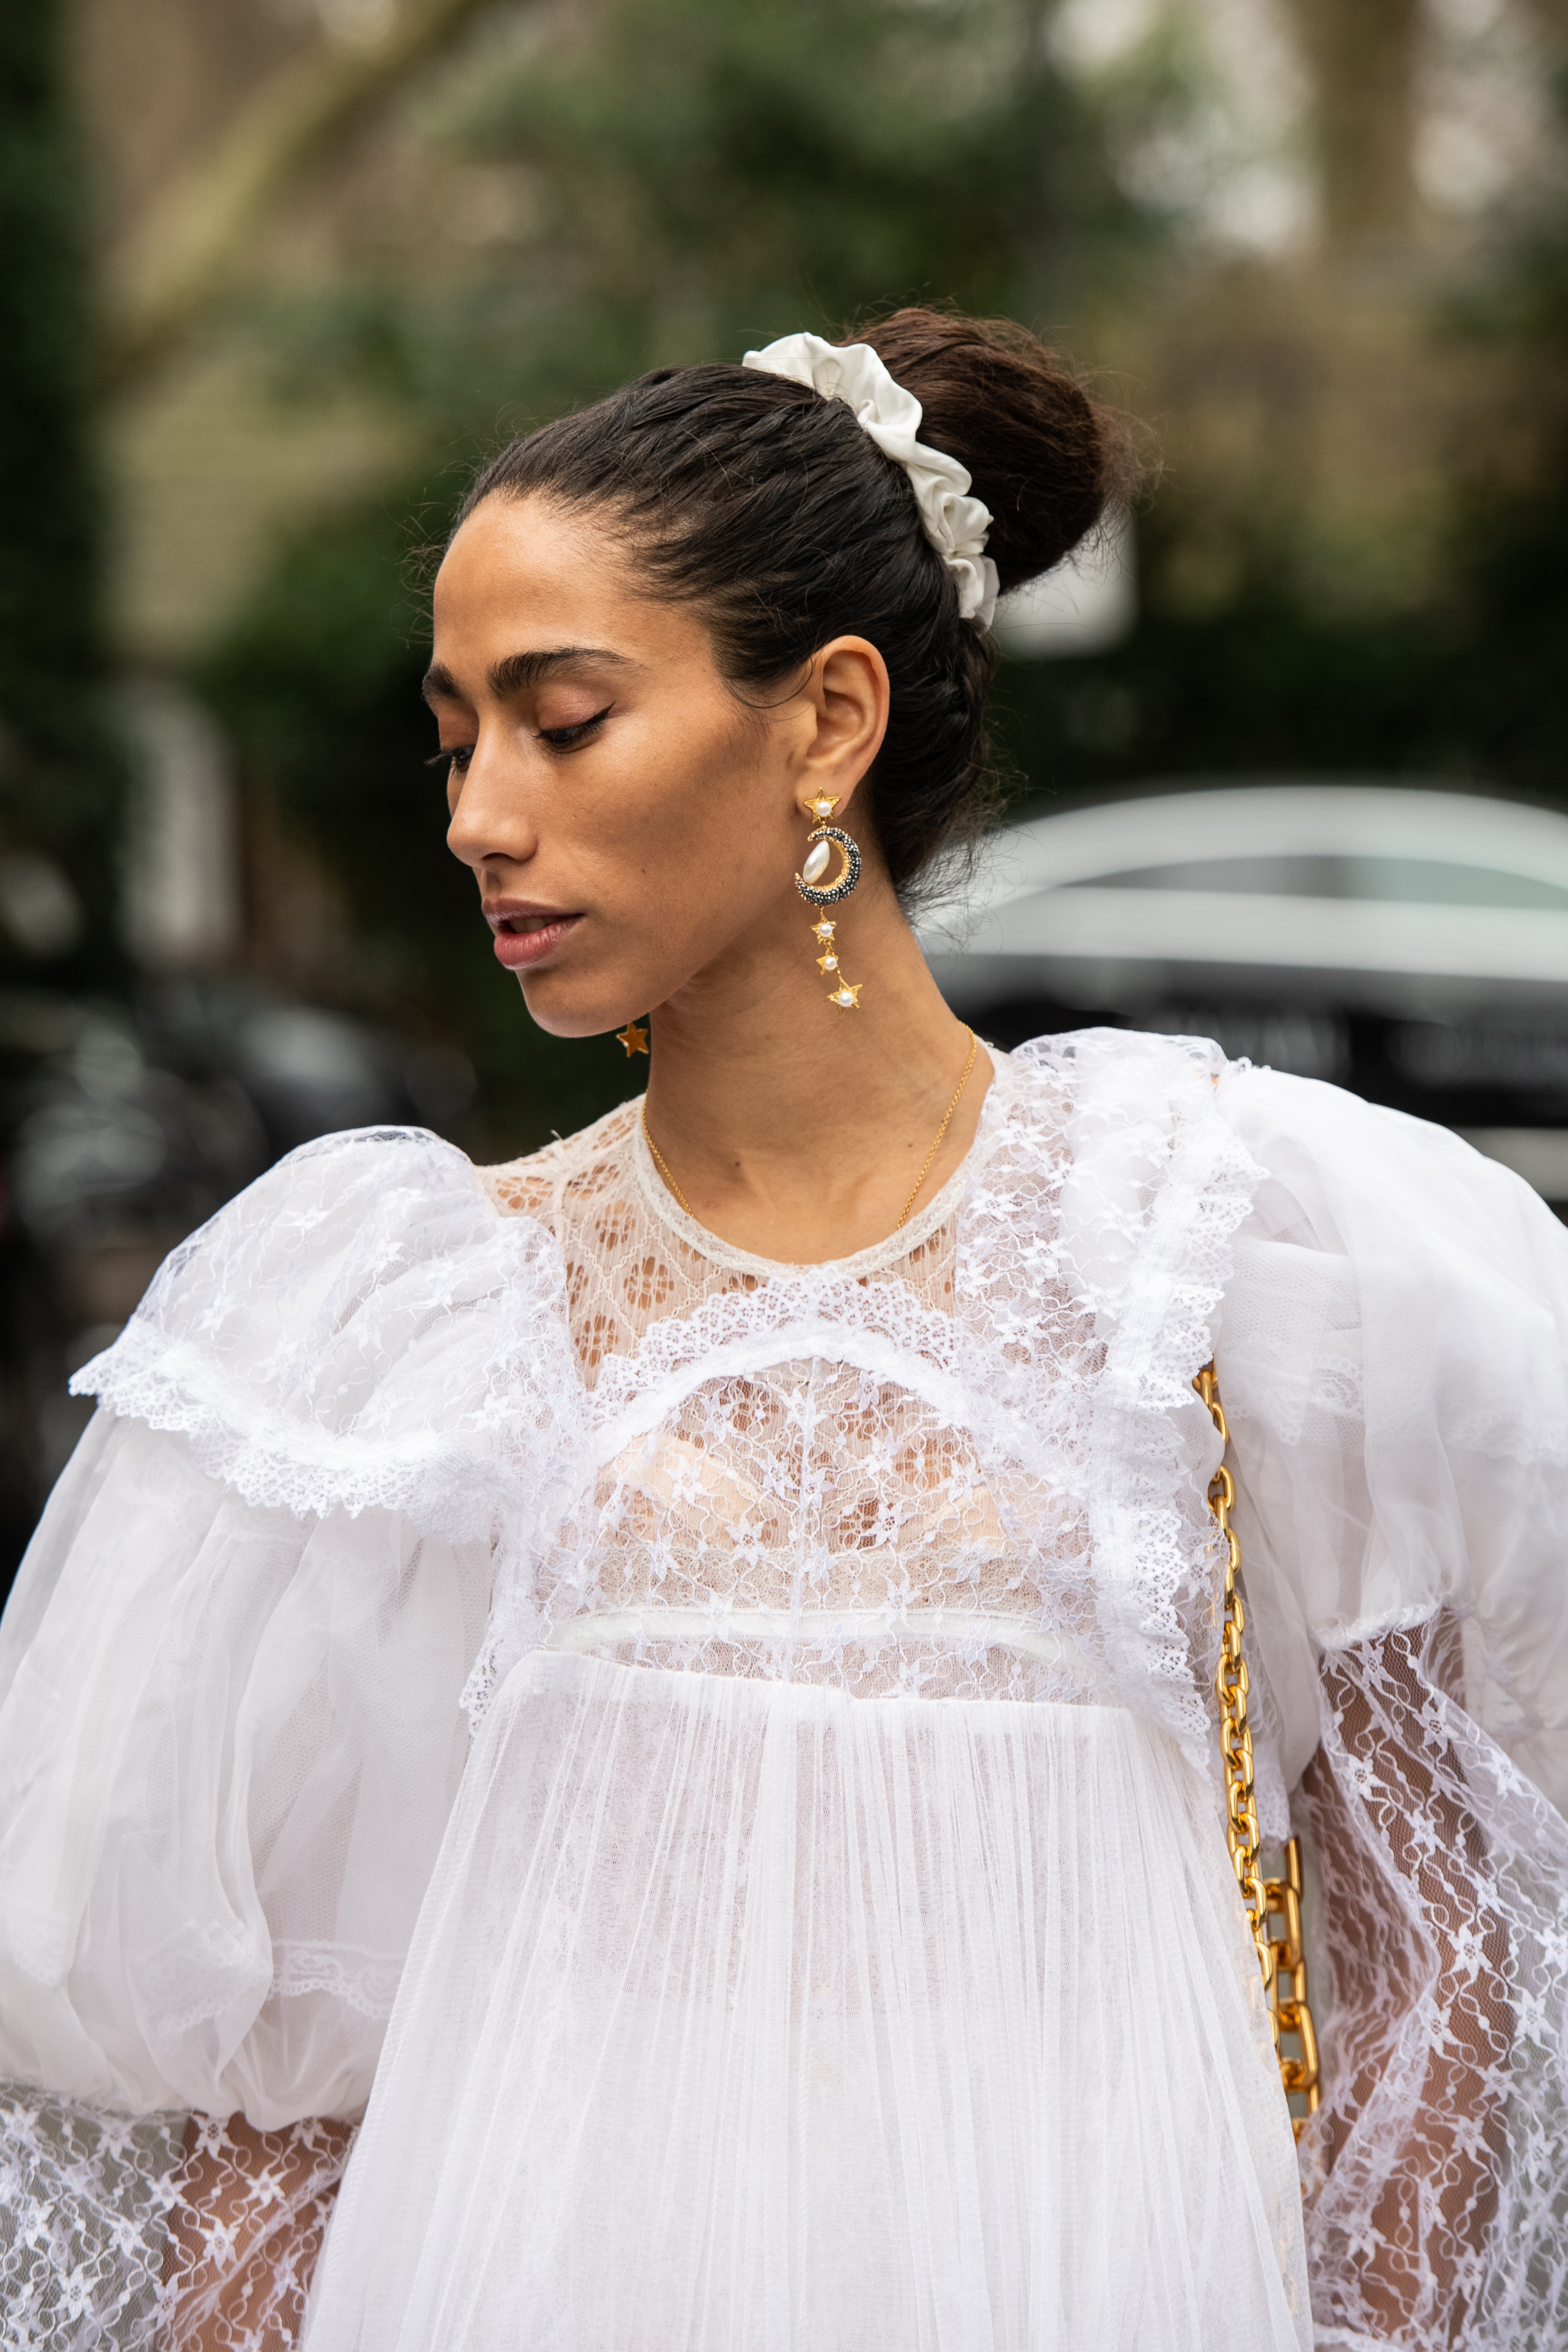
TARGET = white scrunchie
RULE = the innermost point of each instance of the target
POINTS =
(954, 523)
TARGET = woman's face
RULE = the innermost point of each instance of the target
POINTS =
(629, 821)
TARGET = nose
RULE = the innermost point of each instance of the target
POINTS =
(490, 821)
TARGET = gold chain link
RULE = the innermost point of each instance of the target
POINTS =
(1283, 1959)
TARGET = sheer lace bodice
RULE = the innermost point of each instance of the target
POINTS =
(788, 1475)
(810, 1518)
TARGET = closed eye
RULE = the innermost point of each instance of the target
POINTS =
(559, 739)
(566, 739)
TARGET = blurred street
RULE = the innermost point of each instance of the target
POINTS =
(280, 271)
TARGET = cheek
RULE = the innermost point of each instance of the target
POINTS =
(704, 813)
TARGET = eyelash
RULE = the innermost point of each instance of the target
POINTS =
(559, 739)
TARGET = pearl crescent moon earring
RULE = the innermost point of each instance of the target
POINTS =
(821, 843)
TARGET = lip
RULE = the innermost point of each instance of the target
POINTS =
(523, 950)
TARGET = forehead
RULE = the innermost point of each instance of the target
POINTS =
(531, 570)
(533, 546)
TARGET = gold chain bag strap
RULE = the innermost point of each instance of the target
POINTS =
(1283, 1957)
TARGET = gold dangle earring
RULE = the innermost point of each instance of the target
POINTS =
(821, 843)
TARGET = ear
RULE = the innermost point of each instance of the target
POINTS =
(849, 693)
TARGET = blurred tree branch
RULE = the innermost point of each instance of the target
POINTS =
(187, 249)
(1363, 55)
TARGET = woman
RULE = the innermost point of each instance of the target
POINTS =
(826, 1939)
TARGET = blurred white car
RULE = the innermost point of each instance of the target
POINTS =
(1410, 943)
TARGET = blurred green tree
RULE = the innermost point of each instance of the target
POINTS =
(57, 776)
(1470, 684)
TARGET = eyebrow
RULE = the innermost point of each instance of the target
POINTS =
(516, 672)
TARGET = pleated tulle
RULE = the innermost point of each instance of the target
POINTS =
(748, 2017)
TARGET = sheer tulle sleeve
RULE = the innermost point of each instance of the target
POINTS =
(231, 1727)
(226, 1756)
(1393, 1354)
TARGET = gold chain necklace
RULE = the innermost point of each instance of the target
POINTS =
(946, 1121)
(659, 1163)
(936, 1145)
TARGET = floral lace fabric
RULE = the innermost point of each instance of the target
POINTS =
(966, 1466)
(159, 2234)
(1438, 2192)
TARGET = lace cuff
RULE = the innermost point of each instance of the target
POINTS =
(1436, 2165)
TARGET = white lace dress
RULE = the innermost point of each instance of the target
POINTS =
(816, 1935)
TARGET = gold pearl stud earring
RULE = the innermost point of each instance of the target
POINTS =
(821, 843)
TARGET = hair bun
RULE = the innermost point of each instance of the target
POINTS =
(1045, 458)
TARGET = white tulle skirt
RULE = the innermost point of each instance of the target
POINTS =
(749, 2017)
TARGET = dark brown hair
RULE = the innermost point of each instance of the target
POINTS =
(768, 508)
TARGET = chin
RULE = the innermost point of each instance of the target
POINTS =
(560, 1013)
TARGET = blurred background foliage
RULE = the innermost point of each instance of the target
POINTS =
(58, 767)
(287, 268)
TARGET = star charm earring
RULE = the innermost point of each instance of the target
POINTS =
(823, 839)
(635, 1039)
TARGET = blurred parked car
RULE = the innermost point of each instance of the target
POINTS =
(121, 1130)
(1410, 944)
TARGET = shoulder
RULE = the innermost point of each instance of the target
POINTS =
(339, 1218)
(358, 1321)
(1084, 1063)
(340, 1194)
(1113, 1179)
(1123, 1113)
(1118, 1098)
(1356, 1170)
(1391, 1273)
(1121, 1092)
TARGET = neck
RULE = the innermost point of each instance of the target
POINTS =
(795, 1129)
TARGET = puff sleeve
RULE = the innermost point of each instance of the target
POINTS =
(1393, 1349)
(231, 1674)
